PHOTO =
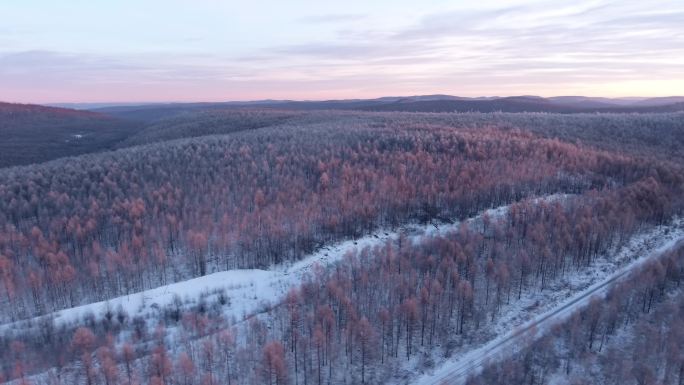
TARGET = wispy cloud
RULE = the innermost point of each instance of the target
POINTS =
(332, 18)
(528, 44)
(590, 46)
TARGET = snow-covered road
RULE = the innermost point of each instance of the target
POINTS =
(458, 370)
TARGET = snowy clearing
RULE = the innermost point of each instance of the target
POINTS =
(248, 290)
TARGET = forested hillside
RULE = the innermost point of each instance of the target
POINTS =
(342, 192)
(35, 134)
(210, 122)
(255, 192)
(633, 336)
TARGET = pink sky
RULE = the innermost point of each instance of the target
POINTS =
(154, 50)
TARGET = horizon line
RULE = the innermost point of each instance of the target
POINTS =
(187, 101)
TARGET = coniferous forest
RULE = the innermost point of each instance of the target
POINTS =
(295, 246)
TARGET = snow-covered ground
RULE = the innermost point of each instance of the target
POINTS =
(620, 341)
(248, 290)
(530, 318)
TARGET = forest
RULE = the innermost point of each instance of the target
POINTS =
(633, 336)
(34, 134)
(515, 208)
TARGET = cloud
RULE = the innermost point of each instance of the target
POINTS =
(529, 48)
(584, 37)
(332, 18)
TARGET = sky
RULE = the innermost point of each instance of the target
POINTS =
(214, 50)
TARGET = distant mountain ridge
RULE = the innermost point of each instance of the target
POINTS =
(417, 103)
(565, 100)
(533, 104)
